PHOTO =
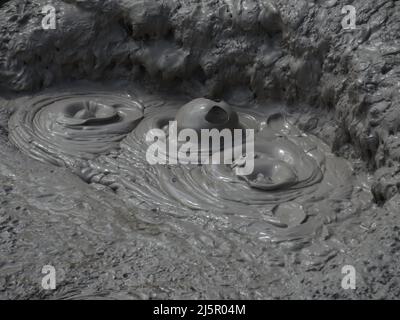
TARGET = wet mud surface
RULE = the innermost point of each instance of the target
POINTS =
(294, 179)
(77, 192)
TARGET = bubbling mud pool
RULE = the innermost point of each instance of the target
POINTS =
(101, 137)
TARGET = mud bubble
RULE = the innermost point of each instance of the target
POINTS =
(295, 174)
(102, 136)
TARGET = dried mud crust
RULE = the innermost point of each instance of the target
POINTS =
(294, 52)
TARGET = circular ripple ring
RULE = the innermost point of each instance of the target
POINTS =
(64, 128)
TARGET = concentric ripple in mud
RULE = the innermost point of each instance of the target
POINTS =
(67, 127)
(295, 176)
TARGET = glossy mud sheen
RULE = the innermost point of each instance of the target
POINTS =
(290, 204)
(78, 193)
(103, 138)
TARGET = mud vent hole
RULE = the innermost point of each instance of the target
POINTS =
(217, 115)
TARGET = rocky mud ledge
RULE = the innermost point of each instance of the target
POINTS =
(342, 87)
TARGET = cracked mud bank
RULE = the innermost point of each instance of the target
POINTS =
(85, 201)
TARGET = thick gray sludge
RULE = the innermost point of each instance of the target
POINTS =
(78, 192)
(315, 174)
(63, 128)
(294, 173)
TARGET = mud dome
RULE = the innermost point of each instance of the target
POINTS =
(77, 192)
(291, 171)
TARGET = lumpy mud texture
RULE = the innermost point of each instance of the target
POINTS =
(80, 98)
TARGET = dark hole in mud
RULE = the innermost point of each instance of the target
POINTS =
(217, 115)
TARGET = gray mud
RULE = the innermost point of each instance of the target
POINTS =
(76, 189)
